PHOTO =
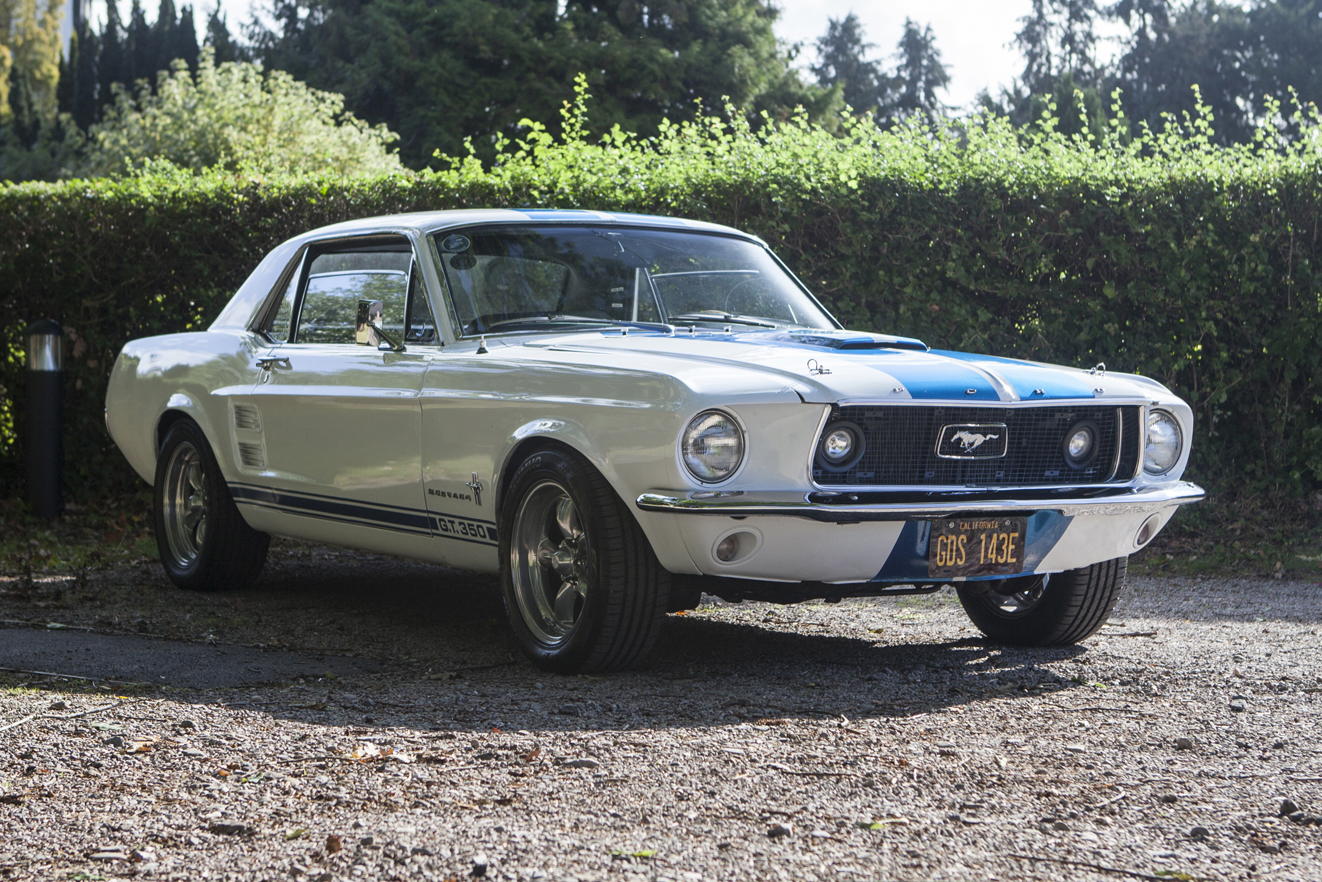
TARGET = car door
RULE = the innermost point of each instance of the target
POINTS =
(329, 442)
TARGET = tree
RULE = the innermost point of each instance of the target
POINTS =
(236, 117)
(1170, 51)
(1059, 37)
(841, 62)
(443, 71)
(221, 41)
(920, 74)
(30, 44)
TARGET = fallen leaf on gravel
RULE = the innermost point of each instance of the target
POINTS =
(621, 854)
(883, 823)
(11, 799)
(294, 832)
(333, 844)
(1266, 846)
(532, 755)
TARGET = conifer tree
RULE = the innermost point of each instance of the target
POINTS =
(30, 43)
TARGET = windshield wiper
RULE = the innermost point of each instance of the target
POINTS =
(724, 317)
(545, 319)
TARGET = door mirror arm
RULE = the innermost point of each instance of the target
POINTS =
(387, 344)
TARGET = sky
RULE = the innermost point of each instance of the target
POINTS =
(973, 36)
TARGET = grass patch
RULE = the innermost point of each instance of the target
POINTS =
(106, 532)
(1255, 536)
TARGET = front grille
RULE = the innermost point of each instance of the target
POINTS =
(901, 446)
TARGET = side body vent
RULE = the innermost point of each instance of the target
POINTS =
(251, 455)
(246, 417)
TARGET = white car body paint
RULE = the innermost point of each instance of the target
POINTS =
(418, 443)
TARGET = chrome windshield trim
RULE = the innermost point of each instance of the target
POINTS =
(796, 504)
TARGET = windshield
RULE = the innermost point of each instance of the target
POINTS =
(520, 278)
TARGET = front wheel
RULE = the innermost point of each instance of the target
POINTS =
(205, 544)
(583, 590)
(1047, 610)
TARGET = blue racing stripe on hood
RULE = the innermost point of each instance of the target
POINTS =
(1026, 378)
(931, 375)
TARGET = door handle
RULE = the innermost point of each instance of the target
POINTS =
(270, 362)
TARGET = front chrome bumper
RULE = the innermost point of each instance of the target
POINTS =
(738, 503)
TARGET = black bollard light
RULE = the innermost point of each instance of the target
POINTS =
(45, 418)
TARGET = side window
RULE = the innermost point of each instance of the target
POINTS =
(422, 325)
(349, 296)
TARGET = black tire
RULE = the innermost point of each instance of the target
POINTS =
(1056, 610)
(204, 543)
(583, 590)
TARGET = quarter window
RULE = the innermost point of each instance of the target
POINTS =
(361, 295)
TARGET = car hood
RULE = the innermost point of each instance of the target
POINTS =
(833, 366)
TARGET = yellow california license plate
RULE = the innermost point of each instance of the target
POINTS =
(984, 546)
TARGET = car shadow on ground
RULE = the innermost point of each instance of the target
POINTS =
(371, 642)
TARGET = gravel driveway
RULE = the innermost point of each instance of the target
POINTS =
(866, 740)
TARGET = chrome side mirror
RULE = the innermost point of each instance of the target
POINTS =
(368, 330)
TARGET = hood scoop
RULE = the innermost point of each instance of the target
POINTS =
(848, 341)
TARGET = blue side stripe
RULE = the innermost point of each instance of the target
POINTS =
(332, 508)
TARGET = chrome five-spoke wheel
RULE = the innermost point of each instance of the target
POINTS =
(550, 562)
(186, 504)
(583, 590)
(204, 542)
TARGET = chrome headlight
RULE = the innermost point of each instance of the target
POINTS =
(713, 446)
(1164, 442)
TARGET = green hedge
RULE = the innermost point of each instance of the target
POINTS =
(1166, 256)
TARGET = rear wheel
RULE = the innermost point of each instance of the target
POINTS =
(583, 590)
(1047, 610)
(204, 543)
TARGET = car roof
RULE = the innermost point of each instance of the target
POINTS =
(433, 221)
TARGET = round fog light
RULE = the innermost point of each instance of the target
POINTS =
(840, 447)
(737, 547)
(1147, 531)
(1081, 444)
(727, 548)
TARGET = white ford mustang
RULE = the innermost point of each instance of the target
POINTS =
(618, 413)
